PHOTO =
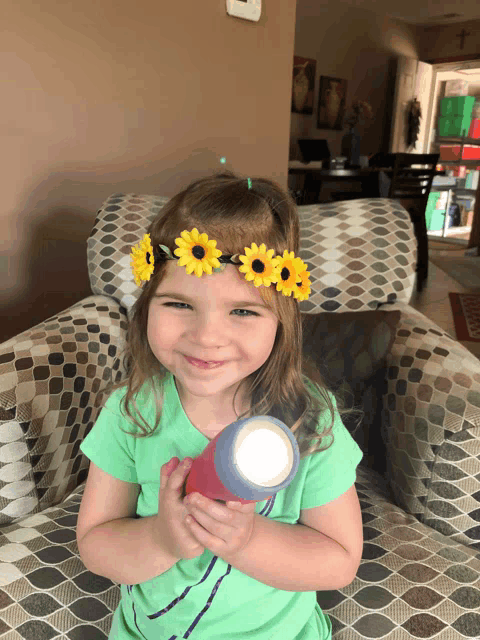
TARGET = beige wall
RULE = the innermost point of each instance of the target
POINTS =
(361, 47)
(443, 41)
(108, 96)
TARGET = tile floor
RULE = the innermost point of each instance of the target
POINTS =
(433, 301)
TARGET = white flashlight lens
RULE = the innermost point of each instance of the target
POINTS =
(264, 456)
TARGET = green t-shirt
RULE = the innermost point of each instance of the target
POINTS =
(205, 598)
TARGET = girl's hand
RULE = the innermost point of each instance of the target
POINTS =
(169, 528)
(224, 530)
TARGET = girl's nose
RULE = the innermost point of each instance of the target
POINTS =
(211, 331)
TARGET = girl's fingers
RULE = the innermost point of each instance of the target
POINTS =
(178, 477)
(173, 475)
(166, 470)
(172, 465)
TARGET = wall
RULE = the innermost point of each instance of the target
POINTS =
(361, 47)
(114, 96)
(414, 81)
(443, 41)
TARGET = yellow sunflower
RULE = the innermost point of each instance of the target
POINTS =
(197, 252)
(142, 260)
(259, 265)
(303, 286)
(291, 269)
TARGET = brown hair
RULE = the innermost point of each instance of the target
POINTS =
(223, 207)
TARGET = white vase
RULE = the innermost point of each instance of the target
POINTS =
(333, 104)
(300, 90)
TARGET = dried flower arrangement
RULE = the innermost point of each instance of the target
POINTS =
(359, 113)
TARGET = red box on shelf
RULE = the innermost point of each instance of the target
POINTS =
(452, 152)
(474, 128)
(471, 153)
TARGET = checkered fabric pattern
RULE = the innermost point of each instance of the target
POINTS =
(121, 222)
(431, 428)
(50, 377)
(420, 571)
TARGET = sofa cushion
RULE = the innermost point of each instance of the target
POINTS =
(50, 378)
(350, 351)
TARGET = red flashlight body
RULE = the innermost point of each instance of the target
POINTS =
(216, 474)
(203, 477)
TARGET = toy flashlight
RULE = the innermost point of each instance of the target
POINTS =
(248, 461)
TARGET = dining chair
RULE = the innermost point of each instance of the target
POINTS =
(411, 187)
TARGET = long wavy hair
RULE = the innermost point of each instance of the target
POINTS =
(288, 386)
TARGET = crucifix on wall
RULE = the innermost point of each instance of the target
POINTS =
(462, 35)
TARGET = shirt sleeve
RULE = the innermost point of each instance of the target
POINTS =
(333, 471)
(107, 445)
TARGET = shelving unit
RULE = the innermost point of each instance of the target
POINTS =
(459, 190)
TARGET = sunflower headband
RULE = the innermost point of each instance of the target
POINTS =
(198, 254)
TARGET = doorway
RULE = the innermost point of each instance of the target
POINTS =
(457, 195)
(453, 196)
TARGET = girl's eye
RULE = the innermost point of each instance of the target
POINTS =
(172, 304)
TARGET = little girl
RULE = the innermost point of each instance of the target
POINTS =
(216, 335)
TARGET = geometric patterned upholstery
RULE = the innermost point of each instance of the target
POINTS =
(431, 428)
(50, 377)
(420, 570)
(121, 222)
(359, 253)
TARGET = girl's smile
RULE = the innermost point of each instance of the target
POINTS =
(201, 364)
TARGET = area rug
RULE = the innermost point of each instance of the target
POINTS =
(463, 269)
(466, 315)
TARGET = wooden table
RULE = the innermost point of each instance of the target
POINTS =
(316, 176)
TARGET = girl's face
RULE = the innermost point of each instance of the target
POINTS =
(215, 320)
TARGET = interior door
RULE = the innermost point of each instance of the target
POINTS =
(414, 79)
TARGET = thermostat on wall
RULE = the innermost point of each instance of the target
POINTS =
(247, 9)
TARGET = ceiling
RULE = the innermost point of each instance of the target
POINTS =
(420, 12)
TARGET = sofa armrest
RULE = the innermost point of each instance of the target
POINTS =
(50, 376)
(431, 427)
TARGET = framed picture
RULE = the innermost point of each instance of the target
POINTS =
(331, 103)
(304, 70)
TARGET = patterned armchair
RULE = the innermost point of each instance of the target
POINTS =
(418, 484)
